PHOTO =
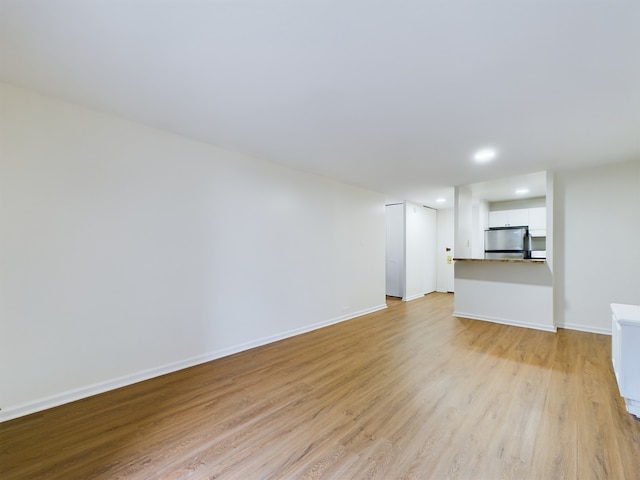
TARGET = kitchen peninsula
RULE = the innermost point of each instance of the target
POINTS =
(509, 291)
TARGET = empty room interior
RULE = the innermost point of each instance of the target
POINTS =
(265, 239)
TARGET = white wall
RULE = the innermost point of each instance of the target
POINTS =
(550, 213)
(518, 204)
(420, 250)
(463, 221)
(479, 223)
(128, 252)
(444, 268)
(596, 245)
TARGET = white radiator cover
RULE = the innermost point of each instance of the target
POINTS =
(625, 353)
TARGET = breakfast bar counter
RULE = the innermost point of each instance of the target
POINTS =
(501, 260)
(509, 291)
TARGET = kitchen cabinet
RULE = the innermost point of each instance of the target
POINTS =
(538, 222)
(625, 353)
(534, 218)
(509, 218)
(498, 219)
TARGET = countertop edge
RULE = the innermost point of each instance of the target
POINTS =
(502, 260)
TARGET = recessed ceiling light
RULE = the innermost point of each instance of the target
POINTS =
(522, 191)
(441, 200)
(484, 155)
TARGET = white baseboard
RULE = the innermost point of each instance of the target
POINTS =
(505, 321)
(413, 297)
(27, 408)
(585, 328)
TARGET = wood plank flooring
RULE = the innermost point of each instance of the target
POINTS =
(409, 393)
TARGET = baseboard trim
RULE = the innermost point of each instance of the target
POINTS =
(414, 297)
(506, 321)
(585, 328)
(69, 396)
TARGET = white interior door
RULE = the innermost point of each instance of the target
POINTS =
(395, 250)
(420, 251)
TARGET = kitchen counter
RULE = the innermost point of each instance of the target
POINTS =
(508, 291)
(501, 260)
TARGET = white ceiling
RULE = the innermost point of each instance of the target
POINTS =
(390, 95)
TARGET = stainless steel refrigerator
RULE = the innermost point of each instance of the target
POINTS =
(507, 242)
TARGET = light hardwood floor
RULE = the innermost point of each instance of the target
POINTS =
(408, 392)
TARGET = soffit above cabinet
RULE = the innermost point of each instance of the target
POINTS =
(504, 189)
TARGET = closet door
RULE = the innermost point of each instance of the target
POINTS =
(395, 251)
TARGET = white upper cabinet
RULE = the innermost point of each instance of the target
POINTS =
(509, 218)
(498, 219)
(538, 221)
(535, 218)
(518, 218)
